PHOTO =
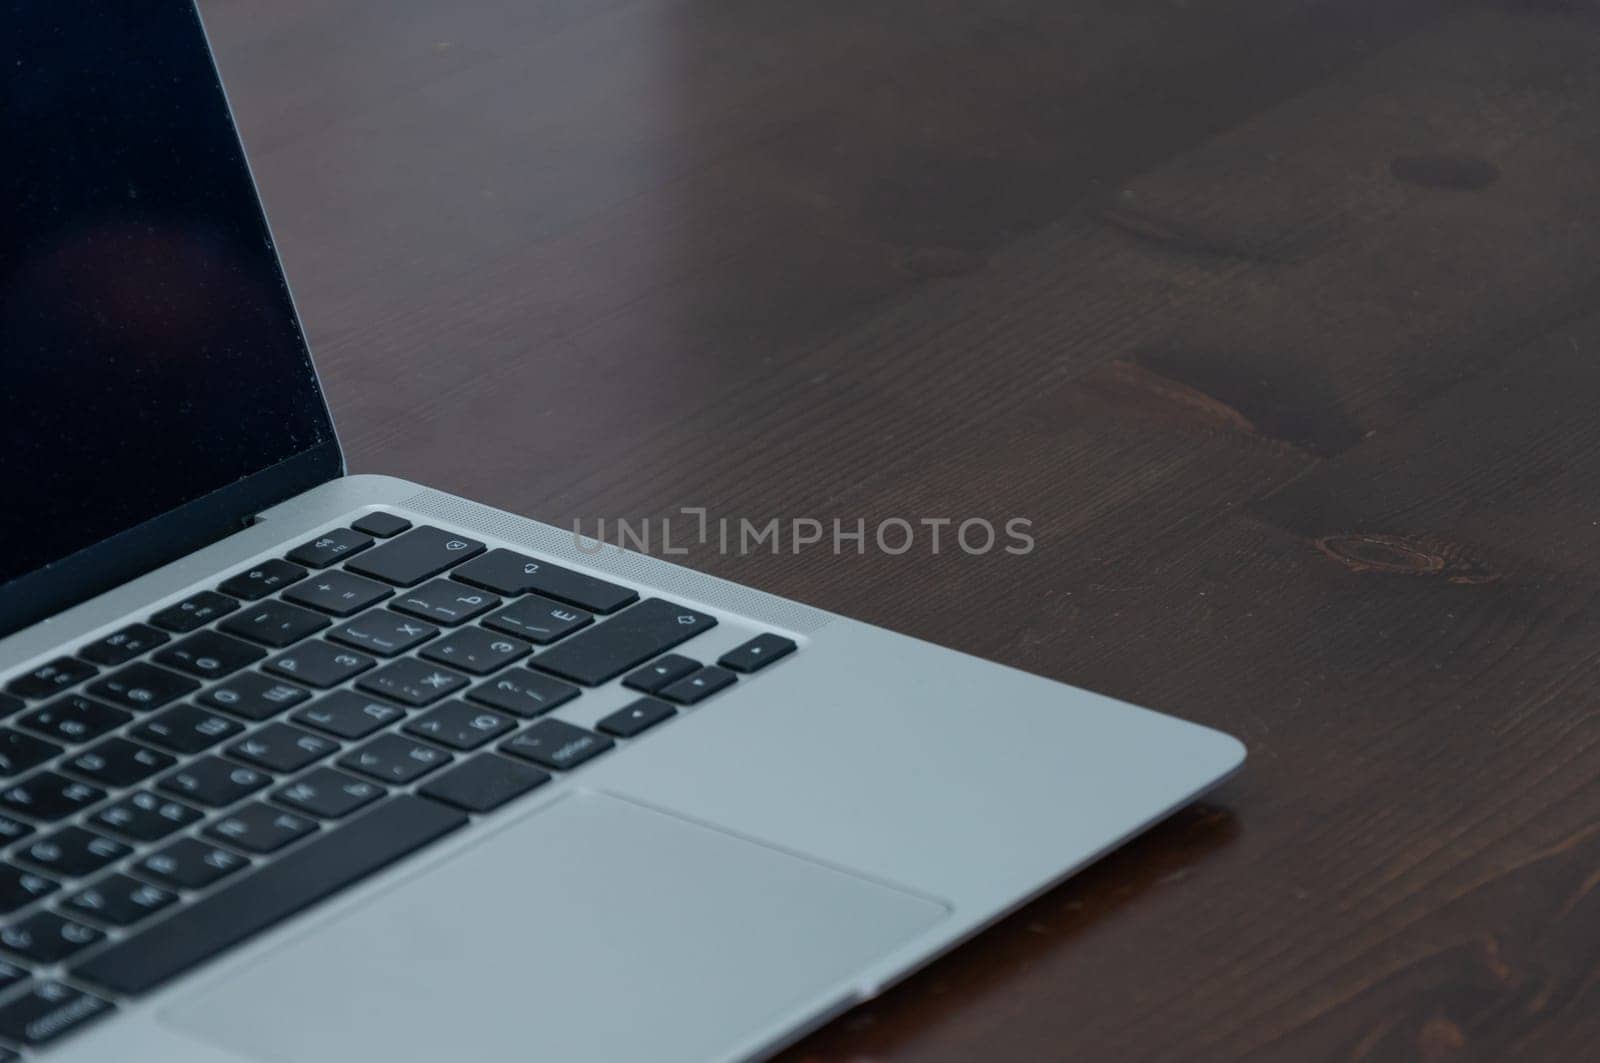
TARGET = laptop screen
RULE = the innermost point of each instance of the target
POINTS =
(149, 351)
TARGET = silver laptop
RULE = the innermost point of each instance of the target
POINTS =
(301, 767)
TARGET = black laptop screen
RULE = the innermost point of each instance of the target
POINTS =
(149, 352)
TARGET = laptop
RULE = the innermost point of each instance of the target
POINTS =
(304, 767)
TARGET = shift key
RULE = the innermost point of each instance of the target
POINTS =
(628, 639)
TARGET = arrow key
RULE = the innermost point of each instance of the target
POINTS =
(634, 719)
(757, 653)
(698, 686)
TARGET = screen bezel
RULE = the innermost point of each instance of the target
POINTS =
(142, 548)
(145, 547)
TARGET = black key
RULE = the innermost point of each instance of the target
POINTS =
(484, 783)
(142, 687)
(538, 619)
(119, 762)
(194, 613)
(697, 686)
(383, 525)
(523, 693)
(346, 714)
(587, 592)
(321, 664)
(212, 781)
(636, 718)
(275, 624)
(412, 682)
(19, 751)
(383, 632)
(120, 647)
(50, 1010)
(12, 830)
(657, 674)
(324, 550)
(190, 864)
(628, 639)
(757, 653)
(259, 828)
(48, 796)
(19, 888)
(281, 889)
(74, 718)
(392, 759)
(511, 573)
(475, 650)
(145, 817)
(416, 555)
(269, 577)
(556, 744)
(254, 696)
(10, 704)
(209, 655)
(502, 571)
(329, 794)
(47, 680)
(445, 602)
(10, 975)
(281, 748)
(117, 900)
(338, 592)
(46, 937)
(459, 725)
(72, 852)
(186, 729)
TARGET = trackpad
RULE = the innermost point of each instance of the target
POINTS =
(595, 929)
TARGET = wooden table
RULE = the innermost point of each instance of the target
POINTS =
(1280, 322)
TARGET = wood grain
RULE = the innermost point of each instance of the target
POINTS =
(1280, 321)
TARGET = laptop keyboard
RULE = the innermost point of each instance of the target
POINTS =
(172, 789)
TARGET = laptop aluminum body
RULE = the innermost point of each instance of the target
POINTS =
(710, 890)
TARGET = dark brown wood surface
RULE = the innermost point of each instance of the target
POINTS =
(1279, 319)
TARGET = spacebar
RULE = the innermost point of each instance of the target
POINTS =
(258, 901)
